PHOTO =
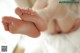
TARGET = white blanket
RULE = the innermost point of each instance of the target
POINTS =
(62, 43)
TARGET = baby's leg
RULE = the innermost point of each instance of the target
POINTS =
(53, 27)
(39, 4)
(30, 15)
(65, 20)
(48, 11)
(40, 21)
(76, 25)
(66, 23)
(17, 26)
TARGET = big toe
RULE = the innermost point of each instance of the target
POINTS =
(7, 19)
(18, 11)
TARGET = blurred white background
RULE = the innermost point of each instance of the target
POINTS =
(10, 40)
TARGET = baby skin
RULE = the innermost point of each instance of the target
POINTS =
(17, 26)
(28, 17)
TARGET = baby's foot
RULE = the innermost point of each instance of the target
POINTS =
(11, 24)
(17, 26)
(32, 16)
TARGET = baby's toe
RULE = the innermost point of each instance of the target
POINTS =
(7, 19)
(6, 26)
(29, 11)
(33, 13)
(18, 11)
(24, 11)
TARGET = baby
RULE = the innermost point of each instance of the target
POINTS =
(42, 17)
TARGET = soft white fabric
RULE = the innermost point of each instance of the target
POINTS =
(62, 43)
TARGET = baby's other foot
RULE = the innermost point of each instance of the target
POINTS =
(17, 26)
(8, 22)
(32, 16)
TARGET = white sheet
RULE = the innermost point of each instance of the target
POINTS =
(64, 43)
